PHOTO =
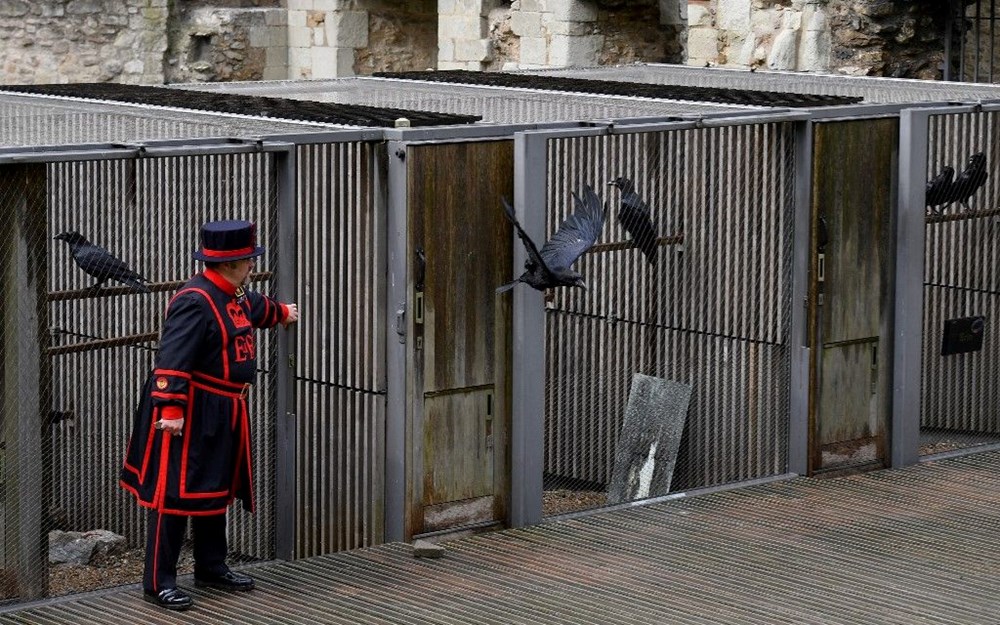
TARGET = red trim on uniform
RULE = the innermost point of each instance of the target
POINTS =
(220, 281)
(222, 328)
(141, 473)
(161, 485)
(197, 512)
(284, 312)
(223, 254)
(171, 413)
(236, 386)
(182, 491)
(175, 396)
(177, 374)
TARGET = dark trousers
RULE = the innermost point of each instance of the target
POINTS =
(164, 538)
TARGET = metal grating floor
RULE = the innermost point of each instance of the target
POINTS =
(914, 545)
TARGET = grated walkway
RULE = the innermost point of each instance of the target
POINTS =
(907, 546)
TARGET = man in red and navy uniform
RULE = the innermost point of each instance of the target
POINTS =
(189, 454)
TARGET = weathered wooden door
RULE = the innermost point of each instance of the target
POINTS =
(854, 168)
(459, 334)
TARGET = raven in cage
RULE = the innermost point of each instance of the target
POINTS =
(938, 190)
(968, 182)
(577, 234)
(634, 216)
(99, 263)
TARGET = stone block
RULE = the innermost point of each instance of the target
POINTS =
(319, 36)
(733, 15)
(327, 5)
(699, 16)
(573, 10)
(525, 24)
(575, 51)
(277, 36)
(300, 5)
(532, 6)
(297, 19)
(534, 51)
(275, 72)
(472, 49)
(784, 51)
(461, 26)
(276, 17)
(300, 59)
(703, 46)
(300, 37)
(814, 53)
(260, 36)
(276, 56)
(446, 50)
(451, 65)
(347, 29)
(647, 446)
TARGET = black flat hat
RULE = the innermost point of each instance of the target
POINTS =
(222, 241)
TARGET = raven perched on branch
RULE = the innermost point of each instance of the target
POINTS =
(634, 215)
(99, 263)
(551, 267)
(937, 195)
(968, 182)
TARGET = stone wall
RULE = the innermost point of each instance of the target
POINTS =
(57, 41)
(870, 37)
(155, 41)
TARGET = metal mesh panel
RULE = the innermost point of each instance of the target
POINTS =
(82, 369)
(713, 313)
(495, 105)
(36, 120)
(961, 353)
(872, 89)
(340, 362)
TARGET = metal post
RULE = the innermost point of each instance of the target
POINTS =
(395, 343)
(285, 434)
(909, 305)
(801, 354)
(528, 354)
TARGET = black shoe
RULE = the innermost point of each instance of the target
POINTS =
(229, 580)
(169, 598)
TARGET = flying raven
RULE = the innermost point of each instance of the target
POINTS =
(98, 262)
(939, 190)
(634, 216)
(968, 182)
(551, 267)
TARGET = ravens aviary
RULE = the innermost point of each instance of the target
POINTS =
(98, 262)
(968, 182)
(634, 216)
(577, 233)
(939, 190)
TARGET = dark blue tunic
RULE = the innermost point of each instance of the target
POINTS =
(206, 362)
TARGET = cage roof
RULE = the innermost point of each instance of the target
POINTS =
(496, 105)
(873, 90)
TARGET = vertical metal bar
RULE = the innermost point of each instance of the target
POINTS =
(909, 305)
(528, 384)
(798, 422)
(285, 408)
(394, 189)
(978, 38)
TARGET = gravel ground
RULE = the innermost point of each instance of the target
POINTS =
(116, 570)
(556, 502)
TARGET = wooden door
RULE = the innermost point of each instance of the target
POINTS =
(855, 165)
(459, 347)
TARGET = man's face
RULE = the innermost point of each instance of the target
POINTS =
(242, 269)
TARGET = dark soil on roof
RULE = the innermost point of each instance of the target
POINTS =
(258, 106)
(718, 95)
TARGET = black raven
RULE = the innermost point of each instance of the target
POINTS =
(939, 190)
(634, 216)
(98, 262)
(968, 182)
(577, 233)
